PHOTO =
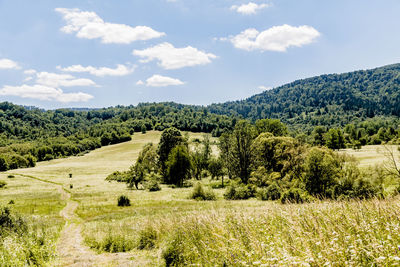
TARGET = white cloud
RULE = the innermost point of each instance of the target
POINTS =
(42, 92)
(89, 25)
(140, 82)
(120, 70)
(249, 9)
(61, 80)
(8, 64)
(29, 72)
(277, 38)
(161, 81)
(265, 88)
(170, 57)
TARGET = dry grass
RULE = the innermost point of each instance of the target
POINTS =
(237, 233)
(369, 156)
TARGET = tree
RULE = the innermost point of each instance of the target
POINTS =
(322, 168)
(215, 167)
(242, 140)
(201, 156)
(225, 148)
(318, 135)
(145, 164)
(170, 138)
(281, 155)
(274, 126)
(178, 165)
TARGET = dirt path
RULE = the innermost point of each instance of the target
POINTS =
(70, 246)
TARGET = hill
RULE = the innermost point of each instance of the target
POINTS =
(331, 100)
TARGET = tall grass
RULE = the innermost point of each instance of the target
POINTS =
(32, 242)
(356, 233)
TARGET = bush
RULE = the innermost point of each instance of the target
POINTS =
(199, 193)
(10, 176)
(271, 192)
(147, 238)
(11, 202)
(11, 223)
(239, 191)
(153, 186)
(2, 184)
(295, 195)
(123, 201)
(173, 253)
(117, 176)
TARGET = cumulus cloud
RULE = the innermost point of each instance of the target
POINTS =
(8, 64)
(170, 57)
(140, 82)
(42, 92)
(56, 80)
(277, 38)
(120, 70)
(89, 25)
(249, 9)
(161, 81)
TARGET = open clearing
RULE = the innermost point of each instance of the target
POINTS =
(231, 229)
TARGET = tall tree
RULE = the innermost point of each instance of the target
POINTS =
(178, 165)
(170, 138)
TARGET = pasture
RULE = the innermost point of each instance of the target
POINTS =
(207, 233)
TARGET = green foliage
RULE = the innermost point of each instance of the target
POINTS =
(237, 191)
(271, 192)
(322, 169)
(327, 100)
(117, 176)
(295, 195)
(147, 238)
(199, 193)
(274, 126)
(123, 201)
(2, 184)
(152, 184)
(215, 167)
(11, 223)
(178, 165)
(170, 138)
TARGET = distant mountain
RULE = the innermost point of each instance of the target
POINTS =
(331, 100)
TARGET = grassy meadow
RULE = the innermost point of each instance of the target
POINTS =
(166, 226)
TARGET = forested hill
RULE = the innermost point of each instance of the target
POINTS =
(331, 100)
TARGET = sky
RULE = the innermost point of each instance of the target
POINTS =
(97, 53)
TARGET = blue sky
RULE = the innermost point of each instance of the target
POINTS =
(105, 53)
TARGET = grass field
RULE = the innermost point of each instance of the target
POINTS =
(235, 233)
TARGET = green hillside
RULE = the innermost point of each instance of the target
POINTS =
(331, 100)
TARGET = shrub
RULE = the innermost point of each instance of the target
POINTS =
(11, 202)
(2, 184)
(123, 201)
(271, 192)
(239, 191)
(147, 238)
(153, 186)
(71, 186)
(295, 195)
(173, 253)
(117, 176)
(11, 222)
(199, 193)
(10, 176)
